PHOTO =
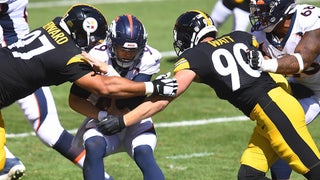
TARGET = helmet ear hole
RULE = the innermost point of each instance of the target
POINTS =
(86, 24)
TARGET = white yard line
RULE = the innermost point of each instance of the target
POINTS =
(68, 3)
(158, 125)
(188, 156)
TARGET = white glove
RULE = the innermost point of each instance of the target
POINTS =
(162, 85)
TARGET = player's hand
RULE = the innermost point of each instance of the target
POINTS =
(254, 59)
(165, 86)
(110, 125)
(97, 64)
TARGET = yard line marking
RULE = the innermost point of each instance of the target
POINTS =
(168, 54)
(158, 125)
(200, 122)
(189, 156)
(69, 3)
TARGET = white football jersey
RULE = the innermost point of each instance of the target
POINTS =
(17, 13)
(306, 18)
(149, 63)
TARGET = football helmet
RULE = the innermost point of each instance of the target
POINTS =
(266, 14)
(127, 38)
(86, 24)
(190, 28)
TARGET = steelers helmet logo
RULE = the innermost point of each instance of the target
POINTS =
(90, 25)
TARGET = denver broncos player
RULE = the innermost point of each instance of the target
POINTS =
(221, 63)
(283, 27)
(127, 52)
(51, 55)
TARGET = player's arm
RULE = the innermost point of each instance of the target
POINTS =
(122, 88)
(308, 48)
(110, 86)
(155, 104)
(79, 102)
(83, 106)
(305, 53)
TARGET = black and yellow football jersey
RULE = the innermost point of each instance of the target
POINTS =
(46, 56)
(221, 64)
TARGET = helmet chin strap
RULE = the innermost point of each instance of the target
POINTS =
(64, 26)
(88, 37)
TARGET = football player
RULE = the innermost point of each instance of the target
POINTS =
(46, 124)
(126, 51)
(51, 55)
(289, 33)
(239, 9)
(280, 121)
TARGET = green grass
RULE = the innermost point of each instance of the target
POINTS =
(223, 142)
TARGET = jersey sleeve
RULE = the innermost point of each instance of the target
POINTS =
(150, 61)
(308, 17)
(76, 68)
(100, 52)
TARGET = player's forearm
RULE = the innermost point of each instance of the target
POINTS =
(123, 88)
(83, 106)
(146, 109)
(289, 64)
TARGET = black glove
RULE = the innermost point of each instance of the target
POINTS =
(165, 86)
(110, 125)
(254, 59)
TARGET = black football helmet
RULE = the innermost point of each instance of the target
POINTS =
(127, 38)
(190, 28)
(266, 14)
(86, 24)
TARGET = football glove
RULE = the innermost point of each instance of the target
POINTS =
(254, 59)
(110, 125)
(163, 85)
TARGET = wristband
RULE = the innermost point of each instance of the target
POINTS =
(270, 65)
(300, 61)
(149, 87)
(102, 115)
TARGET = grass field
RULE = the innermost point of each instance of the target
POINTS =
(202, 152)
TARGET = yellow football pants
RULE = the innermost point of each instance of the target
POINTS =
(2, 143)
(280, 131)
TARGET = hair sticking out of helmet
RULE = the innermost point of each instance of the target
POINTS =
(266, 14)
(87, 25)
(127, 38)
(190, 28)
